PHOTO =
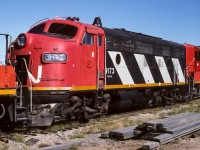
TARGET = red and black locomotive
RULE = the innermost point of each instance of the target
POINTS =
(62, 69)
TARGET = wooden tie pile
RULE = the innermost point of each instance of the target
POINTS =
(160, 130)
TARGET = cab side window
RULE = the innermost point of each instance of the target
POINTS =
(197, 55)
(99, 40)
(88, 39)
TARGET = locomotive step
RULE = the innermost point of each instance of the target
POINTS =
(21, 108)
(21, 117)
(20, 96)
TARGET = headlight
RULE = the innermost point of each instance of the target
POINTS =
(54, 57)
(21, 40)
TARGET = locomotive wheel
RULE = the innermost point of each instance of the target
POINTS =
(82, 117)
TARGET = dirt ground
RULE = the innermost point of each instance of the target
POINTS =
(92, 140)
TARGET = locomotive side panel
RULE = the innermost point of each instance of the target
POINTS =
(190, 59)
(135, 60)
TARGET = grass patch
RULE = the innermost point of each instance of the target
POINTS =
(4, 147)
(197, 109)
(43, 145)
(185, 109)
(76, 135)
(103, 126)
(73, 147)
(18, 138)
(152, 110)
(56, 128)
(171, 113)
(191, 106)
(127, 122)
(138, 121)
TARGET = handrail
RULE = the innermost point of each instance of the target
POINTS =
(190, 63)
(31, 94)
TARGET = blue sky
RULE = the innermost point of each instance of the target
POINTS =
(174, 20)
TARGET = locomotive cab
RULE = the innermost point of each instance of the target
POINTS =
(73, 51)
(56, 61)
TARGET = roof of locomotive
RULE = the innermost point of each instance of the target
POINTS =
(121, 32)
(64, 20)
(73, 24)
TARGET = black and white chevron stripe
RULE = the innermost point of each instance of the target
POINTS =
(143, 69)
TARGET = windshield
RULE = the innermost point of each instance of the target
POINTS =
(37, 29)
(58, 30)
(63, 30)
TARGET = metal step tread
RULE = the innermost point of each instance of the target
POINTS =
(22, 119)
(21, 108)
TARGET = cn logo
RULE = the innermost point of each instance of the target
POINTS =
(32, 78)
